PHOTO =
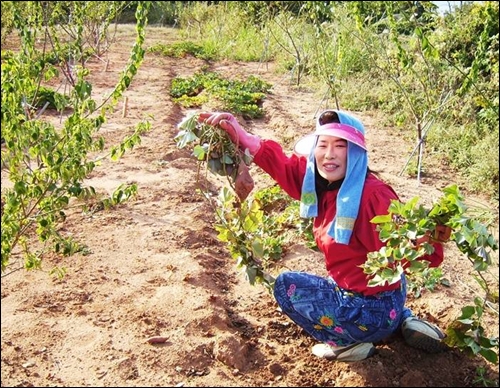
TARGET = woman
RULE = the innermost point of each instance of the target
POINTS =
(328, 173)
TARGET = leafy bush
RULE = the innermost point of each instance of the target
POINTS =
(240, 97)
(407, 224)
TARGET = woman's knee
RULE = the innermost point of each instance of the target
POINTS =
(279, 284)
(280, 290)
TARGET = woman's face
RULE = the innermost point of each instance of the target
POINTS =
(331, 157)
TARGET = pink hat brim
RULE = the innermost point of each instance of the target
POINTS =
(343, 131)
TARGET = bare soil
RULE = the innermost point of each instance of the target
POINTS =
(157, 269)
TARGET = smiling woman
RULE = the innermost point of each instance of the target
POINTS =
(338, 191)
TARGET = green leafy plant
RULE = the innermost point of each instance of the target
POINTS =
(257, 230)
(240, 97)
(285, 213)
(242, 222)
(254, 229)
(469, 335)
(212, 146)
(482, 378)
(427, 279)
(180, 50)
(242, 228)
(47, 165)
(408, 223)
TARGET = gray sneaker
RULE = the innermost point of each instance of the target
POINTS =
(423, 335)
(354, 352)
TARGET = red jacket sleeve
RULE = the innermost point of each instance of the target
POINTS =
(436, 258)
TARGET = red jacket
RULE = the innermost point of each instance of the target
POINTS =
(342, 261)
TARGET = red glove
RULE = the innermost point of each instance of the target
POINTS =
(238, 135)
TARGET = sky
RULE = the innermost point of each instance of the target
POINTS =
(444, 6)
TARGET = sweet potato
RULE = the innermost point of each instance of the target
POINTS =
(243, 183)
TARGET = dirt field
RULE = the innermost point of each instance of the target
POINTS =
(156, 267)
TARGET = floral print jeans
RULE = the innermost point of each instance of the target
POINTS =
(336, 316)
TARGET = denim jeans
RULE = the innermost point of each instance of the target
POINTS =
(336, 316)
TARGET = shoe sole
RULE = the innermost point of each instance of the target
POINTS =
(421, 341)
(349, 354)
(370, 353)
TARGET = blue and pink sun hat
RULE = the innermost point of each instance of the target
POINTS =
(349, 128)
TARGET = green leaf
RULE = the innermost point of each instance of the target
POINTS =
(227, 159)
(257, 248)
(200, 153)
(183, 138)
(381, 219)
(489, 355)
(20, 188)
(188, 123)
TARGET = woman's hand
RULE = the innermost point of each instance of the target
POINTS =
(236, 133)
(442, 234)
